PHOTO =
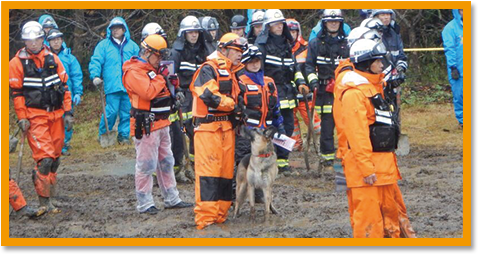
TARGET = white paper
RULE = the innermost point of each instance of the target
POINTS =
(284, 142)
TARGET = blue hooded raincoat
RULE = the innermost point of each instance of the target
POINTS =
(453, 42)
(106, 63)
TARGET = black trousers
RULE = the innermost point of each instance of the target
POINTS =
(288, 115)
(177, 145)
(323, 105)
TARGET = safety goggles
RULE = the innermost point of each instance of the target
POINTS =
(48, 23)
(237, 44)
(379, 51)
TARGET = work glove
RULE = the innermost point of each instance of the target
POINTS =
(455, 74)
(24, 124)
(314, 84)
(400, 69)
(68, 120)
(280, 131)
(164, 71)
(173, 78)
(239, 107)
(180, 97)
(97, 81)
(303, 89)
(77, 99)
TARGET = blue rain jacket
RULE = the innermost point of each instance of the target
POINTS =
(73, 70)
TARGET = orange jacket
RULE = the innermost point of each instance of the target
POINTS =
(16, 80)
(143, 85)
(260, 100)
(344, 67)
(215, 89)
(357, 115)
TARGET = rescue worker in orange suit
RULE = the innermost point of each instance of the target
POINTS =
(41, 98)
(152, 101)
(214, 88)
(323, 56)
(371, 132)
(299, 50)
(188, 53)
(275, 44)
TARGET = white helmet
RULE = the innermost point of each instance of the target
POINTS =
(365, 49)
(376, 12)
(189, 23)
(372, 23)
(272, 16)
(356, 34)
(32, 30)
(332, 15)
(152, 28)
(257, 18)
(363, 33)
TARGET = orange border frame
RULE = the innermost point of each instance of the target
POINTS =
(465, 241)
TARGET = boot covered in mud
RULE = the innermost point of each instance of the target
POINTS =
(406, 230)
(180, 174)
(32, 212)
(46, 202)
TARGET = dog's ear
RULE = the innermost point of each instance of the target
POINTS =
(247, 133)
(270, 131)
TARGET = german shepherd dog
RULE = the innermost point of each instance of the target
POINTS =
(257, 170)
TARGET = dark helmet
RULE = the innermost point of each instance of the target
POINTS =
(238, 21)
(54, 33)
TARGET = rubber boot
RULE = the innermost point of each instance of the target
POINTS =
(46, 202)
(32, 212)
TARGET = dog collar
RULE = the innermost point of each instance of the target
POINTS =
(264, 155)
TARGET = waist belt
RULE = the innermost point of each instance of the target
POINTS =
(212, 118)
(157, 116)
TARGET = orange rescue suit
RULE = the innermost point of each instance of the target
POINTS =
(214, 88)
(145, 88)
(375, 209)
(40, 95)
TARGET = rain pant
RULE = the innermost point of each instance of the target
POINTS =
(153, 154)
(15, 196)
(106, 63)
(214, 91)
(453, 42)
(296, 135)
(75, 83)
(374, 209)
(46, 133)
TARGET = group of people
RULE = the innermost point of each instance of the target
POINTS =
(259, 75)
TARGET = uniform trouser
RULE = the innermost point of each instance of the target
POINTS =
(323, 106)
(117, 104)
(153, 154)
(15, 196)
(296, 135)
(188, 121)
(45, 137)
(457, 90)
(374, 211)
(283, 154)
(214, 166)
(68, 134)
(177, 145)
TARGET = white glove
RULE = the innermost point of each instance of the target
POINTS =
(97, 81)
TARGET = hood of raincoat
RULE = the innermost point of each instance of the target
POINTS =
(118, 21)
(46, 17)
(457, 17)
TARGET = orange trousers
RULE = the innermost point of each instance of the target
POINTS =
(214, 168)
(15, 196)
(375, 212)
(296, 135)
(46, 138)
(406, 229)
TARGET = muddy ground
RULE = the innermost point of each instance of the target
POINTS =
(97, 199)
